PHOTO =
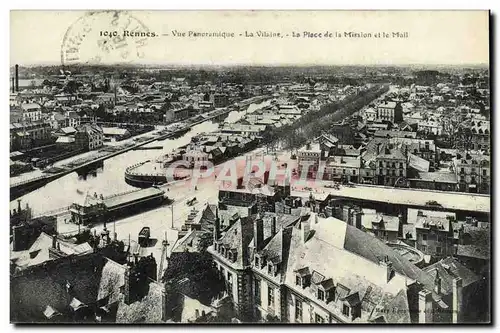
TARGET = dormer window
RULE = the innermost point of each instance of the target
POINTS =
(298, 280)
(346, 310)
(233, 255)
(270, 269)
(303, 277)
(321, 295)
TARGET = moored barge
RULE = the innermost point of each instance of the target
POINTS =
(95, 208)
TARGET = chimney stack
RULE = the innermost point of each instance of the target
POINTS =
(17, 78)
(273, 225)
(388, 270)
(305, 227)
(54, 241)
(258, 233)
(424, 307)
(437, 283)
(216, 225)
(457, 301)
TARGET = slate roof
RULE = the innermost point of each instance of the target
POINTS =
(449, 269)
(345, 254)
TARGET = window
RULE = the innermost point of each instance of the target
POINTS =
(270, 296)
(257, 291)
(401, 173)
(270, 269)
(229, 282)
(343, 171)
(298, 281)
(438, 250)
(257, 262)
(354, 172)
(484, 172)
(380, 164)
(424, 237)
(400, 165)
(393, 172)
(318, 319)
(321, 295)
(423, 248)
(393, 164)
(345, 310)
(298, 310)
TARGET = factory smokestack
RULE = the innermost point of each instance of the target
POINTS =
(17, 78)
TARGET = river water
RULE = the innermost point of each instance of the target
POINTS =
(110, 179)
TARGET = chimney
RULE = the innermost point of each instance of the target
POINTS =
(305, 227)
(424, 307)
(437, 283)
(457, 301)
(386, 265)
(216, 225)
(54, 241)
(17, 238)
(19, 206)
(359, 217)
(258, 233)
(273, 225)
(13, 85)
(17, 78)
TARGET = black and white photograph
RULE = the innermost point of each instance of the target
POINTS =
(250, 167)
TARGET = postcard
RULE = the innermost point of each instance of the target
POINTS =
(263, 167)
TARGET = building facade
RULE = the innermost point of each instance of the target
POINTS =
(89, 136)
(473, 172)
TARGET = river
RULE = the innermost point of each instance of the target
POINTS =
(110, 179)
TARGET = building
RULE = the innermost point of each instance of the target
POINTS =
(344, 168)
(176, 114)
(115, 133)
(309, 156)
(31, 112)
(390, 111)
(315, 270)
(391, 165)
(89, 136)
(430, 232)
(219, 100)
(472, 288)
(29, 135)
(430, 127)
(473, 172)
(384, 227)
(480, 135)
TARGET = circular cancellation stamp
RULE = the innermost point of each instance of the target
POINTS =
(105, 37)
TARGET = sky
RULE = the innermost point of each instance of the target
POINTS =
(433, 37)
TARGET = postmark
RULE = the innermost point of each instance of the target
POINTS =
(105, 37)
